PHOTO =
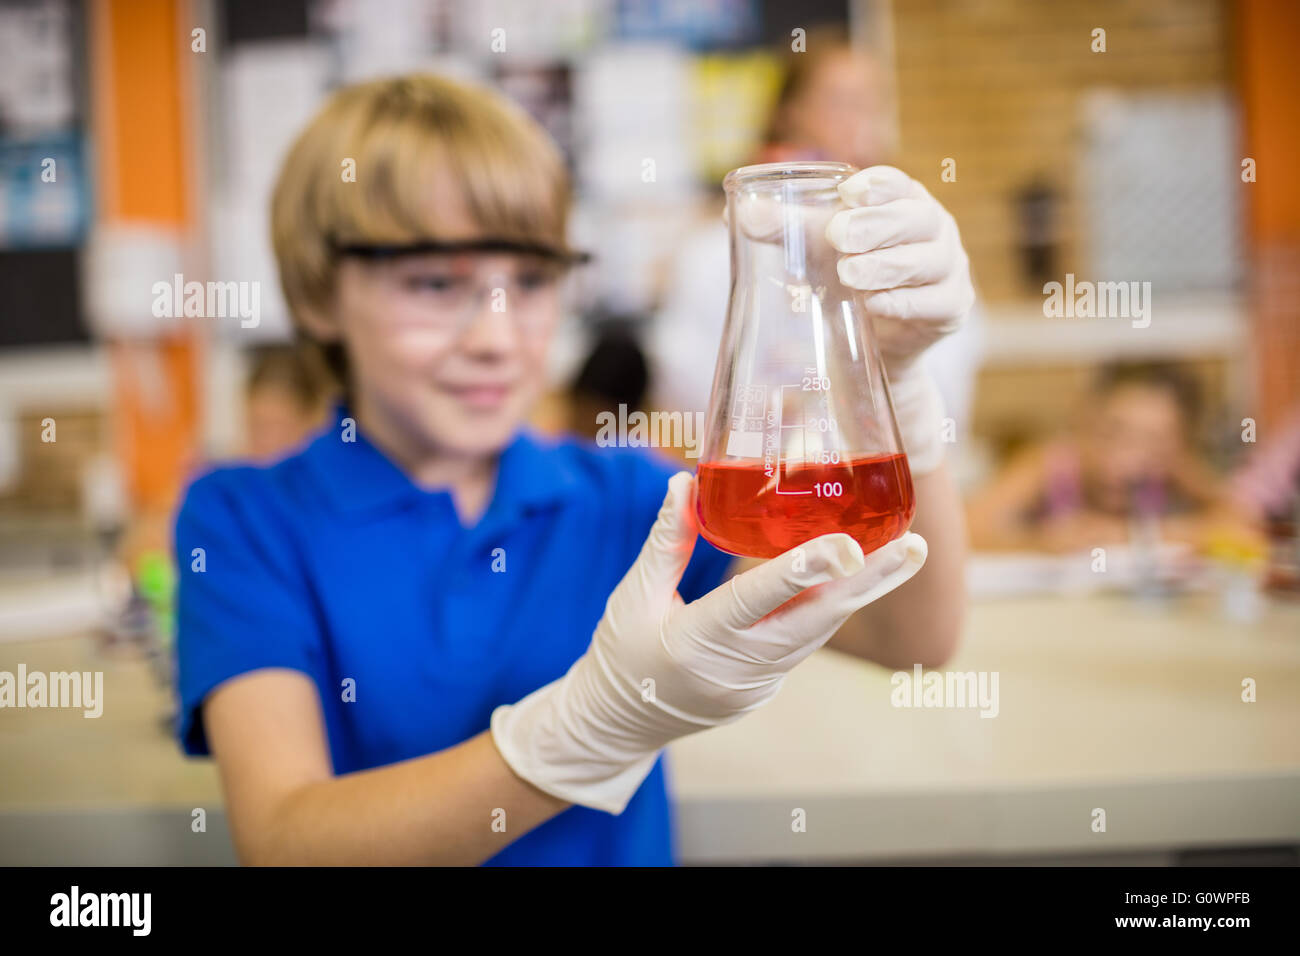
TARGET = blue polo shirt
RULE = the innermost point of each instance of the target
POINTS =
(333, 563)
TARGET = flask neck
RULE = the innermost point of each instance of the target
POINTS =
(777, 215)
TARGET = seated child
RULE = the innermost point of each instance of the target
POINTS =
(1131, 455)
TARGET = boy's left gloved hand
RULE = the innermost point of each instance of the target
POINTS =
(902, 248)
(658, 669)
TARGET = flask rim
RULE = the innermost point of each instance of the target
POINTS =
(778, 172)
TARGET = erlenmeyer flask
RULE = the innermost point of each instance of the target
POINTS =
(800, 438)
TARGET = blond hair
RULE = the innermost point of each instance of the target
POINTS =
(400, 134)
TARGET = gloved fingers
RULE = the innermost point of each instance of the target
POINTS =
(867, 228)
(949, 300)
(902, 343)
(942, 304)
(911, 264)
(766, 218)
(751, 596)
(811, 619)
(881, 576)
(877, 185)
(668, 547)
(760, 217)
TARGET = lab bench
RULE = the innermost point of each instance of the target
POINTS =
(1108, 709)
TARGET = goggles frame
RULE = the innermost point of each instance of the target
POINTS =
(392, 250)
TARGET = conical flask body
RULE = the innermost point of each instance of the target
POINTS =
(800, 438)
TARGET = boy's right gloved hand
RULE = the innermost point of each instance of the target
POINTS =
(658, 669)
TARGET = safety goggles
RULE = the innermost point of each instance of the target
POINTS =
(392, 250)
(439, 285)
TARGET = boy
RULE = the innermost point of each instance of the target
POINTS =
(416, 628)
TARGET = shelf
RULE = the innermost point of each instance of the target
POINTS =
(1186, 327)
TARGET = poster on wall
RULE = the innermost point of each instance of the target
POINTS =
(45, 188)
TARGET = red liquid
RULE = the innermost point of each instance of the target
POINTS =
(741, 511)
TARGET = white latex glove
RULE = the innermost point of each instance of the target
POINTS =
(658, 669)
(902, 249)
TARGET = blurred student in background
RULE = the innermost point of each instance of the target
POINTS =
(613, 374)
(832, 105)
(1268, 483)
(286, 399)
(1130, 455)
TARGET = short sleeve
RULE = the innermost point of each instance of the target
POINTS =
(242, 604)
(708, 566)
(707, 569)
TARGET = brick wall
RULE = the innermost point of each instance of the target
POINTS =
(996, 85)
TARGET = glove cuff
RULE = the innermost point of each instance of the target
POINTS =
(583, 739)
(525, 749)
(526, 736)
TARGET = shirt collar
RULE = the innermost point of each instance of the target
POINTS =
(359, 478)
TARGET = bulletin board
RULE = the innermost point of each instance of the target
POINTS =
(45, 189)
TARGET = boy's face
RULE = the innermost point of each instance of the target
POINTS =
(447, 352)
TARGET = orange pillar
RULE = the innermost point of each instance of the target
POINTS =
(1269, 76)
(140, 63)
